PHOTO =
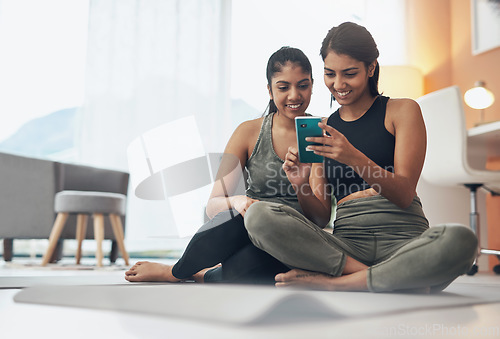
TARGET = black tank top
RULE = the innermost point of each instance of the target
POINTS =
(369, 135)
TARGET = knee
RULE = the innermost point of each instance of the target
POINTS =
(268, 221)
(460, 242)
(257, 217)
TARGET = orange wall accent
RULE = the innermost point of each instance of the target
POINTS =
(429, 41)
(468, 68)
(493, 213)
(439, 43)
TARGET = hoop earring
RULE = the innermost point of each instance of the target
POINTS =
(332, 99)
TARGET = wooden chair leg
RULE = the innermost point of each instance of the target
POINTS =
(54, 236)
(113, 253)
(81, 230)
(57, 254)
(99, 237)
(8, 249)
(117, 226)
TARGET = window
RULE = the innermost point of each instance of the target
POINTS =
(42, 64)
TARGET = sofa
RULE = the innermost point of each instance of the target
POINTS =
(27, 190)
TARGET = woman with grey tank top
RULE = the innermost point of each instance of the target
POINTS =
(221, 250)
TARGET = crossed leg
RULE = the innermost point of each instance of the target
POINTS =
(223, 239)
(430, 261)
(428, 264)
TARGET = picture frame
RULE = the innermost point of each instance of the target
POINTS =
(485, 25)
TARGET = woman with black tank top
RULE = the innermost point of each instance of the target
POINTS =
(374, 150)
(259, 147)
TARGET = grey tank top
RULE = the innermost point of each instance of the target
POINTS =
(267, 180)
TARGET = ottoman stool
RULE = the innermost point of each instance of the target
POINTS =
(85, 203)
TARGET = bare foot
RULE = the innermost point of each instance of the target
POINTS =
(321, 281)
(150, 271)
(200, 276)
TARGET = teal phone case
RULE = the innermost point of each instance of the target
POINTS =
(307, 127)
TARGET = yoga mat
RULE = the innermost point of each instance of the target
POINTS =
(239, 304)
(28, 281)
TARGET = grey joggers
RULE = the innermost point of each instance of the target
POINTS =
(398, 245)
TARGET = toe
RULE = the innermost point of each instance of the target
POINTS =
(132, 278)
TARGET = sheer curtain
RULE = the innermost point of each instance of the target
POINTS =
(148, 63)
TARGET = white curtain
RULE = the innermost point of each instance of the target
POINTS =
(150, 62)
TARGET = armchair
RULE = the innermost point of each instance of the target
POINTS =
(27, 190)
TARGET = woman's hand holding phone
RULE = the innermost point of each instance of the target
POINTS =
(334, 145)
(297, 173)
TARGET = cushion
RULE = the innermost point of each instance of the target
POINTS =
(90, 202)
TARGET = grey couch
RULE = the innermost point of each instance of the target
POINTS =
(27, 189)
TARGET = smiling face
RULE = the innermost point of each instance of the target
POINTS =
(347, 78)
(291, 90)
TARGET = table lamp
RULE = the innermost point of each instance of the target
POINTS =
(479, 97)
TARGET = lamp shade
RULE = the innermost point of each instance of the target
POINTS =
(401, 81)
(479, 97)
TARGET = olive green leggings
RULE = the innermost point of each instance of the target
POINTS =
(402, 252)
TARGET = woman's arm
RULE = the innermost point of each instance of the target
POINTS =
(322, 207)
(409, 153)
(228, 190)
(310, 185)
(408, 126)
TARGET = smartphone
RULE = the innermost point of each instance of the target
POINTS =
(307, 127)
